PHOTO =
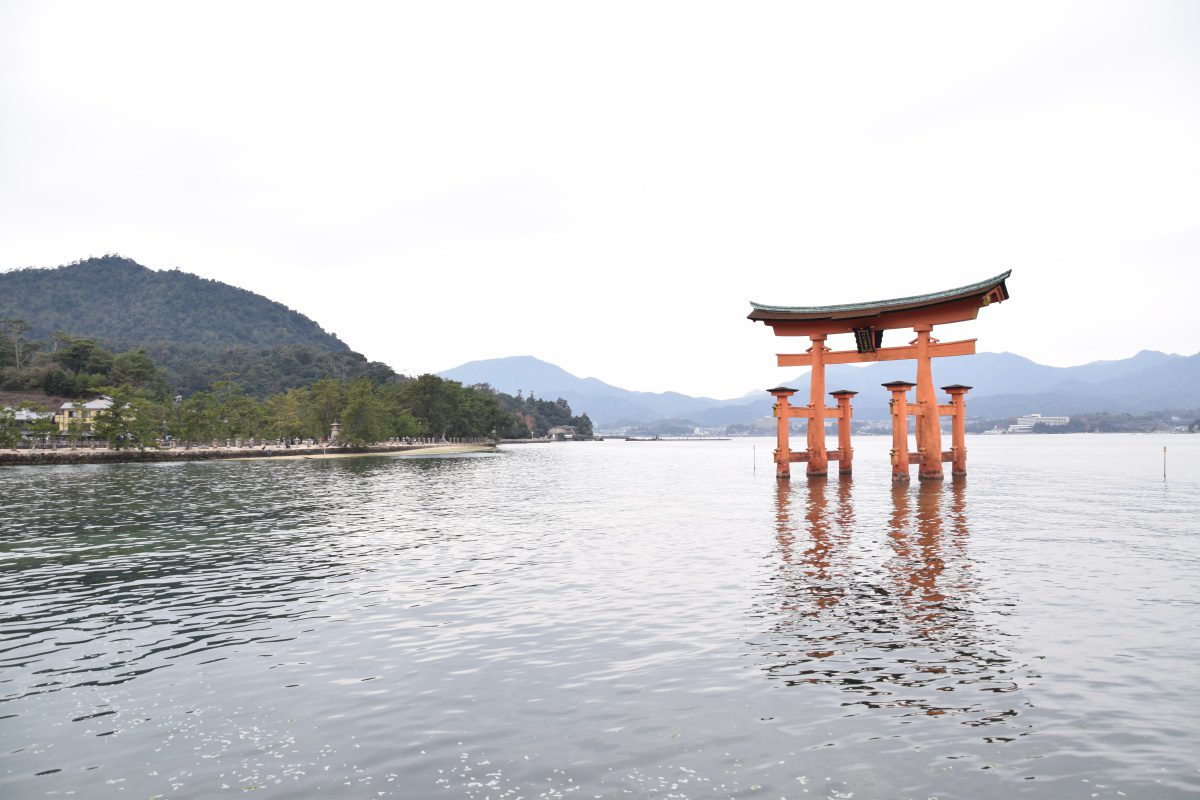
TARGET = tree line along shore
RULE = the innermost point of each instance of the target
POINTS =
(142, 410)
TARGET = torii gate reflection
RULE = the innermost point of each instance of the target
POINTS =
(891, 619)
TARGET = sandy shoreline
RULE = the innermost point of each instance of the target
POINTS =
(86, 456)
(408, 450)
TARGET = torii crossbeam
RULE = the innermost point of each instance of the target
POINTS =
(868, 321)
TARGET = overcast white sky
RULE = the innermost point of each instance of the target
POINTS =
(605, 186)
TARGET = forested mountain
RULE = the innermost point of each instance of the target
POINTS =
(536, 415)
(199, 330)
(263, 371)
(121, 303)
(200, 360)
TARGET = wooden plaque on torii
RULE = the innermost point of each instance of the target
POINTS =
(868, 321)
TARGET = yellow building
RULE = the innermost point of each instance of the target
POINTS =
(81, 417)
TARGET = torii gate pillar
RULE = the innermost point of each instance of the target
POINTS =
(783, 419)
(845, 415)
(929, 429)
(900, 412)
(818, 459)
(958, 442)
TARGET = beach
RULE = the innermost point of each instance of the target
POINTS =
(65, 455)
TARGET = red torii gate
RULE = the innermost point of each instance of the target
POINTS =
(868, 321)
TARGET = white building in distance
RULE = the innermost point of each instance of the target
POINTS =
(1026, 423)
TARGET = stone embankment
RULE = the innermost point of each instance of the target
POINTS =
(153, 455)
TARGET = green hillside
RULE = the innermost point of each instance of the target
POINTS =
(199, 330)
(263, 371)
(123, 304)
(243, 365)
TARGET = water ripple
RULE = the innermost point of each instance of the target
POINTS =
(604, 619)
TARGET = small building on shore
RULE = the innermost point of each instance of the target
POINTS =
(25, 419)
(81, 417)
(561, 432)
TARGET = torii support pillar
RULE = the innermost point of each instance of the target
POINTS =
(845, 451)
(818, 459)
(899, 405)
(958, 445)
(783, 419)
(929, 429)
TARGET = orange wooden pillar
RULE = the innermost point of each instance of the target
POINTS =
(818, 461)
(845, 451)
(958, 442)
(899, 404)
(929, 429)
(783, 419)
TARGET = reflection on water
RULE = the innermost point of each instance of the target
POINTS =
(130, 571)
(897, 633)
(599, 620)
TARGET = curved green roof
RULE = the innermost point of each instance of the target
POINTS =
(764, 311)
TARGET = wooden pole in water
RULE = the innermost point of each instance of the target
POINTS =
(1164, 462)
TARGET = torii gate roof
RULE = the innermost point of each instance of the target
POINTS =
(967, 298)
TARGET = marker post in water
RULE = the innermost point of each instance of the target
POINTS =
(1164, 462)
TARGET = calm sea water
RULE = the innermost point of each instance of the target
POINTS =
(605, 620)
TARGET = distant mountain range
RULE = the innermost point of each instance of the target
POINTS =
(203, 330)
(604, 403)
(1005, 385)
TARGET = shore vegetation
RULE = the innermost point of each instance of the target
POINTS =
(147, 409)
